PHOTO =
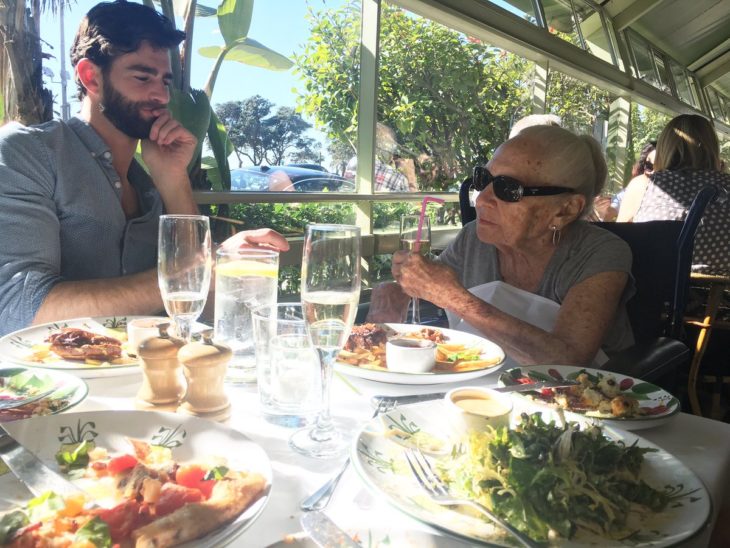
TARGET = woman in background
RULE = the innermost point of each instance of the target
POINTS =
(688, 159)
(627, 201)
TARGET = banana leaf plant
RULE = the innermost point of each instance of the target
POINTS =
(192, 107)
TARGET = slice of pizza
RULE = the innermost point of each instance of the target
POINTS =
(142, 498)
(229, 498)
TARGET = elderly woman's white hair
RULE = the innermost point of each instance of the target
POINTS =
(535, 120)
(573, 160)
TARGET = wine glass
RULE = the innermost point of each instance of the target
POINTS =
(409, 241)
(183, 268)
(330, 295)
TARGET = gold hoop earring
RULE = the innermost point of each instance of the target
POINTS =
(556, 235)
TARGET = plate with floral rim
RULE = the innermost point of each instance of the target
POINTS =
(490, 353)
(190, 439)
(656, 406)
(379, 460)
(18, 383)
(28, 347)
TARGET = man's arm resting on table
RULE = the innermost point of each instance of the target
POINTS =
(136, 294)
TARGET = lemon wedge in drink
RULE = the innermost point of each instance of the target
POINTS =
(244, 267)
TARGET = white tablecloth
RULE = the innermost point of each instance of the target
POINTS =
(702, 444)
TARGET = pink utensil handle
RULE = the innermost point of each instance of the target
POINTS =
(417, 243)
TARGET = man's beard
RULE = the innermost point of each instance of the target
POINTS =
(124, 114)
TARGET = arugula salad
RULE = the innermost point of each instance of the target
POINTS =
(550, 482)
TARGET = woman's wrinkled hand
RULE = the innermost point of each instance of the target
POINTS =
(423, 278)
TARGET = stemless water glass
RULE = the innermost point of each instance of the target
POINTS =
(244, 279)
(183, 268)
(330, 294)
(408, 239)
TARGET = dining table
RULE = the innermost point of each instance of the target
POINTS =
(703, 445)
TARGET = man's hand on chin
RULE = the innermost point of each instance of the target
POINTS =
(170, 147)
(167, 153)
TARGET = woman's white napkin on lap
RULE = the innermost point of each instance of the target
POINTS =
(526, 306)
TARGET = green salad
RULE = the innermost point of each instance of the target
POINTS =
(549, 481)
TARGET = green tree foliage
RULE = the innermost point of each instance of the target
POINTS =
(646, 125)
(290, 219)
(263, 137)
(579, 104)
(448, 97)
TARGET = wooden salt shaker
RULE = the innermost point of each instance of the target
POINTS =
(204, 365)
(162, 378)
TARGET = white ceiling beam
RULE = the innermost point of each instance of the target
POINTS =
(714, 70)
(711, 55)
(633, 11)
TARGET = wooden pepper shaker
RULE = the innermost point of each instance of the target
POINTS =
(162, 378)
(204, 366)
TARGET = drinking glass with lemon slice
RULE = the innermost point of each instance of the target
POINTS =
(244, 279)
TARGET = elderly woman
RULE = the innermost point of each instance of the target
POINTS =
(528, 235)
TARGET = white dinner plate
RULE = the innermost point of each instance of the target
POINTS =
(18, 347)
(189, 438)
(18, 382)
(659, 404)
(489, 351)
(378, 457)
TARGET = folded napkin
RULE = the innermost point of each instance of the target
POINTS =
(523, 305)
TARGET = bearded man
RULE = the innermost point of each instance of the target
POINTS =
(79, 215)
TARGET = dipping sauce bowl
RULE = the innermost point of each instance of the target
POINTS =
(475, 408)
(410, 355)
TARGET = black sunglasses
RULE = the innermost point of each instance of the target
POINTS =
(648, 165)
(508, 189)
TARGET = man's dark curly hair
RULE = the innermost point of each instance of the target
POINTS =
(111, 29)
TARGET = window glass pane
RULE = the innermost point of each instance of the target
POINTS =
(326, 87)
(582, 107)
(594, 33)
(694, 89)
(445, 101)
(664, 84)
(521, 8)
(681, 82)
(715, 104)
(559, 19)
(644, 62)
(646, 125)
(270, 111)
(724, 107)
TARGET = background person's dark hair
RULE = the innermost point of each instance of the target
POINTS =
(640, 166)
(111, 29)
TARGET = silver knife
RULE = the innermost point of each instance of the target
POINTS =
(324, 532)
(416, 398)
(30, 470)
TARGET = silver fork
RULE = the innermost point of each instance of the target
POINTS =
(11, 404)
(321, 497)
(439, 493)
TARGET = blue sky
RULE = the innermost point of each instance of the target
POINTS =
(278, 24)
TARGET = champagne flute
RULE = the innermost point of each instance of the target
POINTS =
(410, 241)
(183, 268)
(330, 295)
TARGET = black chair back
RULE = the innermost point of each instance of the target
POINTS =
(662, 264)
(468, 213)
(654, 246)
